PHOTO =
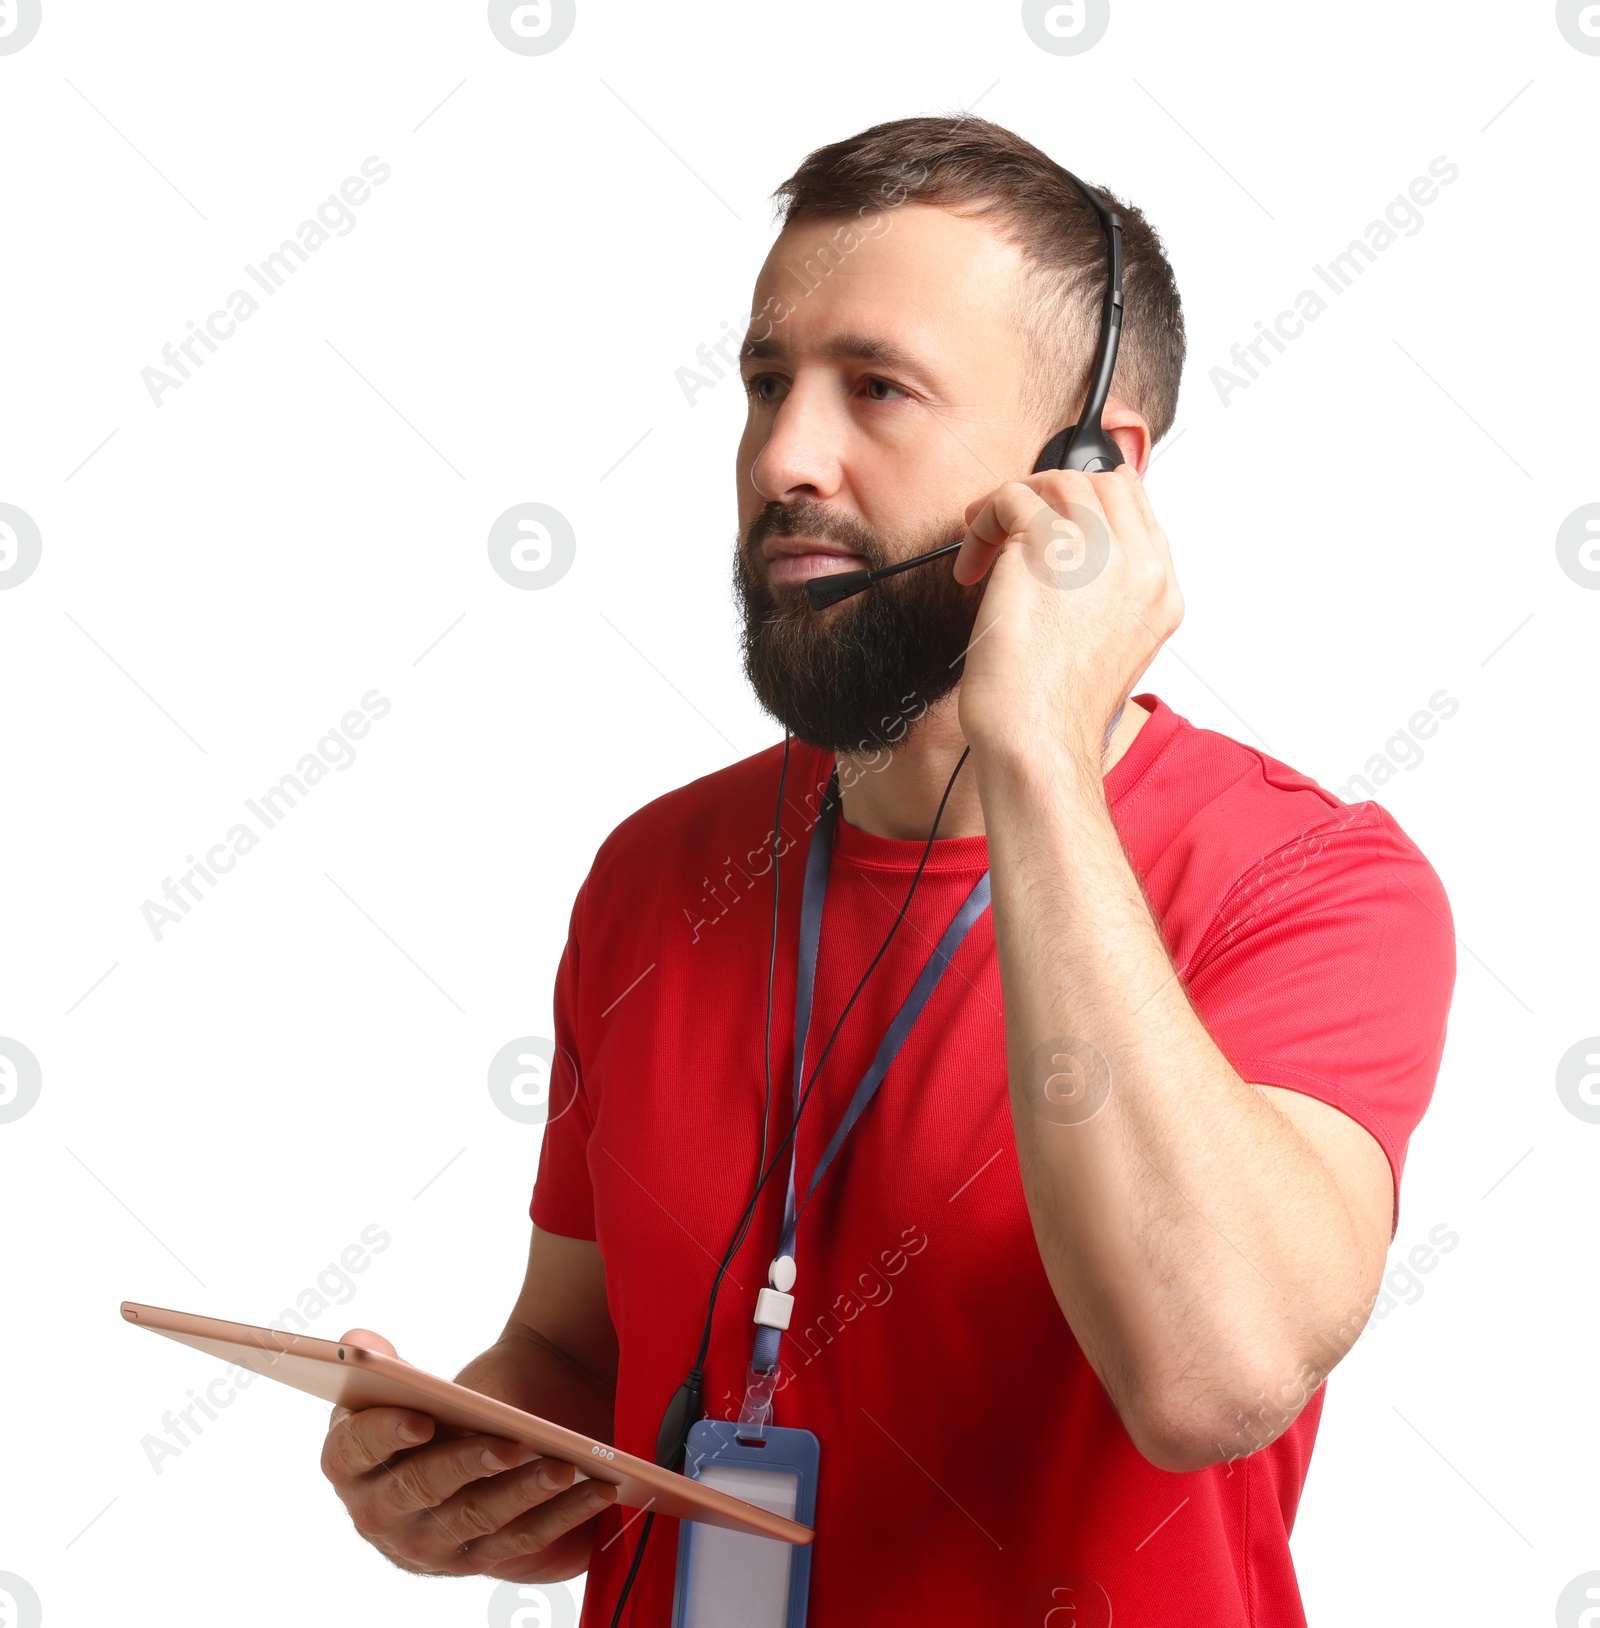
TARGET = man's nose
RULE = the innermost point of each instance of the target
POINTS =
(802, 456)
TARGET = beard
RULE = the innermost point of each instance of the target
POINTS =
(856, 677)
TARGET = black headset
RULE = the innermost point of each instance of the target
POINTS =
(1084, 445)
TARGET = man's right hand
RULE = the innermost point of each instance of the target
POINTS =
(476, 1505)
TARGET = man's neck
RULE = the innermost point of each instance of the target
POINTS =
(898, 797)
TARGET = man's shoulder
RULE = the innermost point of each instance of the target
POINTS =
(1208, 816)
(1183, 779)
(721, 819)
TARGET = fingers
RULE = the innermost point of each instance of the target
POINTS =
(357, 1443)
(428, 1477)
(549, 1519)
(1007, 512)
(423, 1496)
(485, 1506)
(1154, 578)
(1118, 495)
(1136, 488)
(424, 1506)
(368, 1341)
(1140, 495)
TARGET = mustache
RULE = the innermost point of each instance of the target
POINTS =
(808, 518)
(842, 681)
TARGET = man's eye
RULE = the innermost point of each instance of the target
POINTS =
(875, 385)
(754, 386)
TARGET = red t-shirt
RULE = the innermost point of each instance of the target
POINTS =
(972, 1466)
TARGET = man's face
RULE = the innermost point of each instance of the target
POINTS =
(883, 398)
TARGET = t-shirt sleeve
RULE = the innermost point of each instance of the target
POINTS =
(563, 1198)
(1329, 970)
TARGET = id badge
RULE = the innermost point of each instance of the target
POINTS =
(733, 1579)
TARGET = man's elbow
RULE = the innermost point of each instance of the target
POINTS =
(1182, 1431)
(1180, 1445)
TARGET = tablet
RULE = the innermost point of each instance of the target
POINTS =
(357, 1378)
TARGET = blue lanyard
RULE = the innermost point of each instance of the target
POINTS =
(768, 1341)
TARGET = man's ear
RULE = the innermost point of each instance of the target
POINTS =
(1129, 430)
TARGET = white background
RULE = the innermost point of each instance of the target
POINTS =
(305, 520)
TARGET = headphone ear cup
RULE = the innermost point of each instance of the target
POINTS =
(1092, 451)
(1055, 450)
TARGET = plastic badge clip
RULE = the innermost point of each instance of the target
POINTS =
(756, 1413)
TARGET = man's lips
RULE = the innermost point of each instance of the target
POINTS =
(798, 559)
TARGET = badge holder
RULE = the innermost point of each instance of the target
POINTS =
(732, 1579)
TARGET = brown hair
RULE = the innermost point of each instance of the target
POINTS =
(974, 168)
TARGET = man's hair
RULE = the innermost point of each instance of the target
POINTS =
(973, 168)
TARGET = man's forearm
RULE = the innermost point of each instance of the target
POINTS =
(1193, 1238)
(526, 1370)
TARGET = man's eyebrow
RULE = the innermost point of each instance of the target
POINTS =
(842, 347)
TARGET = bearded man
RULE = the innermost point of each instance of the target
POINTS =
(1050, 1059)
